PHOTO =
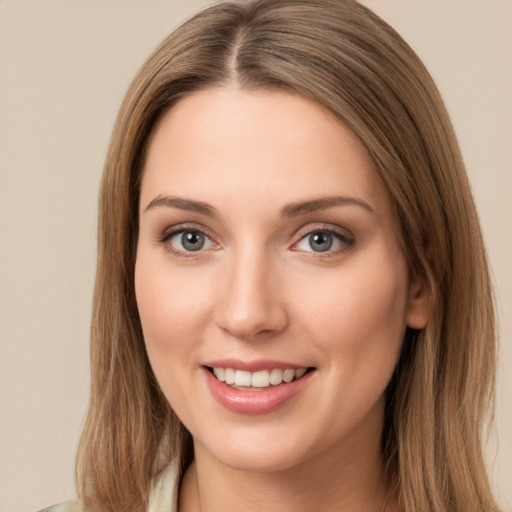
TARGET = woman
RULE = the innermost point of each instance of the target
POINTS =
(292, 305)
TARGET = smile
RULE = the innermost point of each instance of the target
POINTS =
(258, 386)
(260, 379)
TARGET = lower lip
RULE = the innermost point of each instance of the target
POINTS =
(255, 402)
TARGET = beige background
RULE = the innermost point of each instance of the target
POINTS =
(64, 67)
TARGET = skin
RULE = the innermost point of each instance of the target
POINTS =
(258, 290)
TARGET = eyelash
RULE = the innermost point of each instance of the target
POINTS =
(347, 242)
(165, 238)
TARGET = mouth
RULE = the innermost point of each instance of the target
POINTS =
(261, 380)
(258, 386)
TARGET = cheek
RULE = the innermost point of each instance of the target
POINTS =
(171, 302)
(360, 338)
(172, 308)
(359, 314)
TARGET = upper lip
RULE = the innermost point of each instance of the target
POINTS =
(253, 366)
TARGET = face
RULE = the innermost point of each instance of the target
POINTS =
(271, 285)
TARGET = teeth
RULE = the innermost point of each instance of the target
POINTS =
(242, 378)
(276, 376)
(261, 379)
(300, 373)
(229, 374)
(288, 375)
(220, 373)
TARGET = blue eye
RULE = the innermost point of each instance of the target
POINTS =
(322, 241)
(190, 241)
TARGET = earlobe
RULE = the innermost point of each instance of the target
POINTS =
(418, 307)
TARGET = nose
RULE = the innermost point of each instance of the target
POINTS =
(250, 304)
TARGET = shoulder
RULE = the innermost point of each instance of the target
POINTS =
(164, 492)
(67, 506)
(163, 496)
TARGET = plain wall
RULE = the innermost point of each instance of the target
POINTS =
(64, 67)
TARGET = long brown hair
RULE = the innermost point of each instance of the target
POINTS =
(348, 60)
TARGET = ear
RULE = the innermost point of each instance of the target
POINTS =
(418, 305)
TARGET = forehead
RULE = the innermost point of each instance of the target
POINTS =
(253, 146)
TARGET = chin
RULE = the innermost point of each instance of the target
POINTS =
(259, 450)
(252, 460)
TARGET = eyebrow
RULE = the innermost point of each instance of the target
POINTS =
(290, 210)
(322, 203)
(182, 204)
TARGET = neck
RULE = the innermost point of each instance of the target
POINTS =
(347, 477)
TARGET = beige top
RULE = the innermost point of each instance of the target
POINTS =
(163, 497)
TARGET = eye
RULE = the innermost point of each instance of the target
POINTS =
(323, 241)
(188, 240)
